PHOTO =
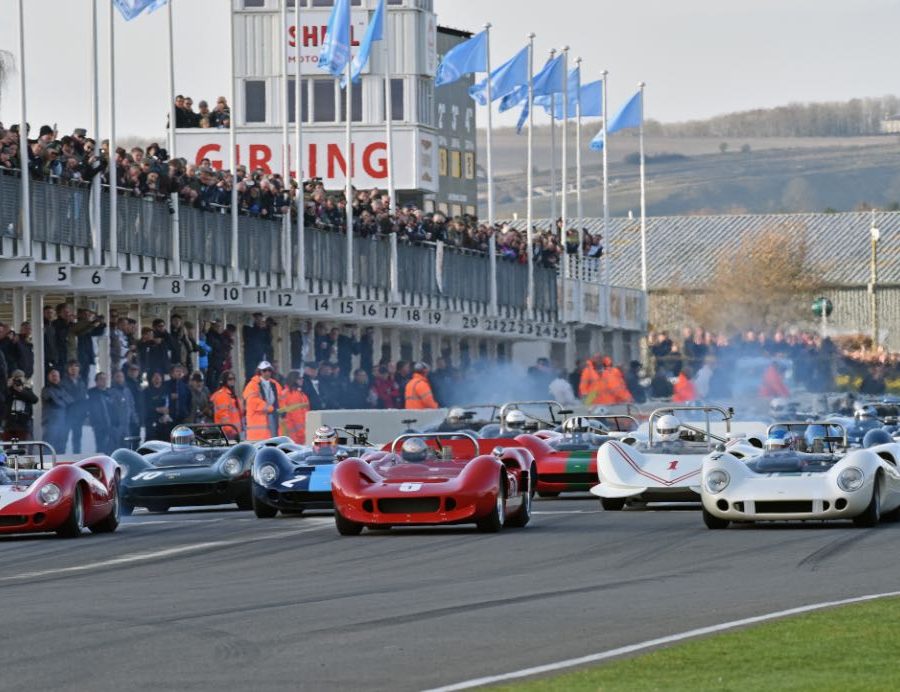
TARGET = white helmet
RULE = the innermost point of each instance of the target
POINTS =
(515, 420)
(456, 414)
(414, 450)
(326, 438)
(667, 428)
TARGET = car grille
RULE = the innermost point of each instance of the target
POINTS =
(181, 490)
(14, 520)
(409, 505)
(568, 478)
(303, 497)
(784, 507)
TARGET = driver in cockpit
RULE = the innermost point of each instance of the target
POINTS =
(415, 451)
(513, 425)
(325, 441)
(779, 441)
(183, 438)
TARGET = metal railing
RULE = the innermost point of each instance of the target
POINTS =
(61, 214)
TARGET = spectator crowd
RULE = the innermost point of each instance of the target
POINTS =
(148, 173)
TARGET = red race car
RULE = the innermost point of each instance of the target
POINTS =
(434, 479)
(65, 497)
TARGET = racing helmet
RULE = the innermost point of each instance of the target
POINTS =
(778, 407)
(456, 414)
(864, 413)
(325, 439)
(779, 440)
(515, 420)
(667, 428)
(414, 450)
(182, 437)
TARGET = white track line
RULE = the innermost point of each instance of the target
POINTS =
(168, 552)
(651, 643)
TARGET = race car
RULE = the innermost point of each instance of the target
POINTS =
(422, 480)
(61, 497)
(517, 417)
(666, 466)
(201, 465)
(470, 418)
(294, 481)
(786, 484)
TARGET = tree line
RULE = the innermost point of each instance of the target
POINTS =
(833, 119)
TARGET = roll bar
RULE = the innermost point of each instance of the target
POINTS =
(805, 424)
(573, 421)
(551, 404)
(216, 426)
(437, 436)
(727, 415)
(16, 450)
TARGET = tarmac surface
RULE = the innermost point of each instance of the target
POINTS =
(217, 599)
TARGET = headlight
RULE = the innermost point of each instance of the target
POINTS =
(50, 494)
(850, 479)
(717, 480)
(267, 474)
(232, 467)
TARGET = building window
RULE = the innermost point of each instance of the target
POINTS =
(255, 101)
(330, 3)
(455, 164)
(470, 210)
(396, 101)
(250, 4)
(426, 102)
(470, 165)
(304, 100)
(357, 98)
(442, 161)
(455, 210)
(323, 100)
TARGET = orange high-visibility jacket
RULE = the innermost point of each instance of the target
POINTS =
(683, 390)
(295, 405)
(227, 409)
(589, 384)
(418, 393)
(772, 384)
(258, 409)
(614, 385)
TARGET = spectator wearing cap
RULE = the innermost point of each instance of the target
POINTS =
(179, 394)
(417, 393)
(261, 402)
(201, 410)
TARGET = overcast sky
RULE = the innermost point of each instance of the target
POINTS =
(698, 57)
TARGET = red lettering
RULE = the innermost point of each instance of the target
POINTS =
(204, 153)
(292, 36)
(260, 155)
(380, 167)
(353, 41)
(313, 161)
(311, 36)
(334, 154)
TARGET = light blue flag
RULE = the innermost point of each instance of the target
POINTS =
(511, 74)
(374, 32)
(590, 96)
(130, 9)
(630, 116)
(547, 82)
(466, 58)
(336, 47)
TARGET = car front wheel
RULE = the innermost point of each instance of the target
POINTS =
(713, 522)
(871, 515)
(345, 526)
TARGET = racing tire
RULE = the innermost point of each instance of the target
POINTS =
(244, 502)
(261, 509)
(612, 504)
(523, 516)
(871, 515)
(494, 521)
(345, 526)
(74, 523)
(713, 522)
(111, 521)
(547, 494)
(125, 509)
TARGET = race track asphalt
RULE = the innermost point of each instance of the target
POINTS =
(213, 599)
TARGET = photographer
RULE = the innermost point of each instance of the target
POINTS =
(87, 326)
(20, 401)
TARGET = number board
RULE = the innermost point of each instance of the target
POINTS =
(201, 291)
(230, 293)
(96, 279)
(138, 284)
(256, 297)
(17, 272)
(54, 274)
(287, 301)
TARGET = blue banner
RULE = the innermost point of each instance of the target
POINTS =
(511, 74)
(466, 58)
(630, 116)
(374, 32)
(130, 9)
(336, 47)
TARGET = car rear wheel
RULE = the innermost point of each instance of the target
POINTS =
(612, 504)
(523, 516)
(111, 522)
(345, 526)
(494, 521)
(871, 515)
(262, 510)
(74, 523)
(713, 522)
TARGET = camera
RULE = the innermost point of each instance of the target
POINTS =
(18, 381)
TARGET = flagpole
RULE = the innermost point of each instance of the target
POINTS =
(552, 154)
(641, 85)
(490, 134)
(564, 172)
(232, 146)
(606, 234)
(348, 159)
(96, 221)
(580, 208)
(175, 267)
(529, 220)
(388, 108)
(113, 172)
(25, 250)
(298, 151)
(287, 255)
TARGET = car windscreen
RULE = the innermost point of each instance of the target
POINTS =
(192, 457)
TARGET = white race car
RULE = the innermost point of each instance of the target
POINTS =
(831, 482)
(666, 466)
